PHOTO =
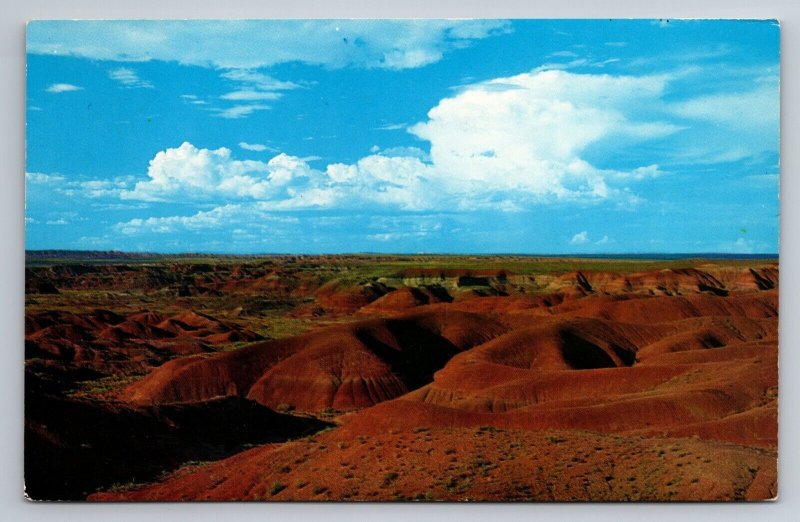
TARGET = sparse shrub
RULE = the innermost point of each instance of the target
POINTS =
(276, 488)
(319, 490)
(284, 408)
(555, 439)
(117, 487)
(390, 477)
(420, 429)
(285, 469)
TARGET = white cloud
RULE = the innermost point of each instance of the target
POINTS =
(505, 144)
(40, 178)
(737, 124)
(241, 44)
(527, 133)
(257, 147)
(62, 87)
(100, 188)
(604, 241)
(189, 172)
(239, 111)
(193, 99)
(129, 78)
(163, 225)
(419, 227)
(259, 80)
(252, 215)
(740, 246)
(392, 126)
(95, 188)
(250, 95)
(580, 238)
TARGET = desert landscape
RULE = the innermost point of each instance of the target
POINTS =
(407, 259)
(386, 377)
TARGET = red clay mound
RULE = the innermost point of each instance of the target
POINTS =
(679, 281)
(405, 299)
(200, 378)
(563, 343)
(608, 376)
(340, 298)
(343, 367)
(111, 343)
(647, 310)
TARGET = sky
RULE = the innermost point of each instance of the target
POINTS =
(404, 136)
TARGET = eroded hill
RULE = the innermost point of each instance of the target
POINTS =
(456, 378)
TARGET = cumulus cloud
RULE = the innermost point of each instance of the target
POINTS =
(528, 132)
(580, 238)
(57, 88)
(388, 44)
(505, 144)
(129, 78)
(194, 173)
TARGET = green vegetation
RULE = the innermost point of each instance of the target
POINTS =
(390, 477)
(276, 488)
(118, 487)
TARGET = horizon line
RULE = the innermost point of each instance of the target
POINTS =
(357, 253)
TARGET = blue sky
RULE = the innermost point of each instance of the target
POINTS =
(465, 136)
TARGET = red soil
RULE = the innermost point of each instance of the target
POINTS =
(109, 343)
(344, 367)
(478, 463)
(656, 385)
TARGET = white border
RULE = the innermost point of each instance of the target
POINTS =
(15, 13)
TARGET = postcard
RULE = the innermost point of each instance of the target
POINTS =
(402, 260)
